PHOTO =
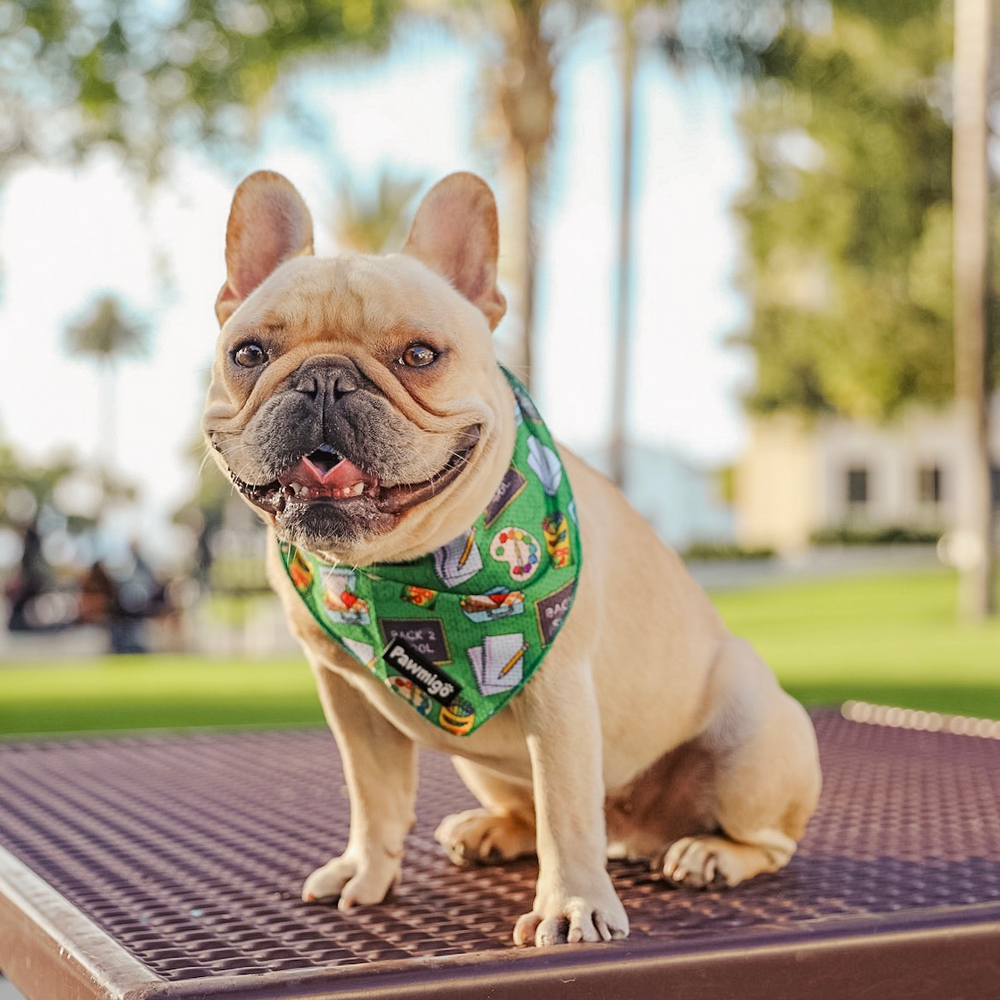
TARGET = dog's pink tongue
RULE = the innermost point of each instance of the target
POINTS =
(342, 476)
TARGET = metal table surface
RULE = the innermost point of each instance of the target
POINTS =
(170, 866)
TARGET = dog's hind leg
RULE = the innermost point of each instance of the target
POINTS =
(765, 782)
(502, 830)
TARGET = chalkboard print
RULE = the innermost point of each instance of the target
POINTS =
(552, 609)
(505, 495)
(425, 635)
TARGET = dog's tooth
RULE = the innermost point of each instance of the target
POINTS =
(359, 488)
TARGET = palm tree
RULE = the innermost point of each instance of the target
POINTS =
(523, 93)
(623, 306)
(105, 333)
(970, 197)
(375, 222)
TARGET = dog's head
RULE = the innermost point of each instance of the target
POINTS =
(355, 401)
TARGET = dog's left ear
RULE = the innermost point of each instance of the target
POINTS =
(455, 234)
(268, 224)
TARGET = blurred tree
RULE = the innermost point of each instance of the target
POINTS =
(374, 222)
(23, 488)
(52, 508)
(147, 77)
(848, 216)
(527, 41)
(205, 511)
(522, 93)
(105, 334)
(726, 35)
(518, 42)
(63, 484)
(869, 289)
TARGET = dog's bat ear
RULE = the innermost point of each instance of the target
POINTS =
(268, 224)
(455, 233)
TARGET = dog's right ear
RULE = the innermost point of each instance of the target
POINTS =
(268, 224)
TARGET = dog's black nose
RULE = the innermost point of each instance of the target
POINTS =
(327, 378)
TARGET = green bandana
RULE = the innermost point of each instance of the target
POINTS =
(457, 633)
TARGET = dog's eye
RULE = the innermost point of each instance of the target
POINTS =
(418, 356)
(250, 355)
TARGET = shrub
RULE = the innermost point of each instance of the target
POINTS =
(891, 535)
(719, 551)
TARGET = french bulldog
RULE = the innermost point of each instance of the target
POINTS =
(357, 406)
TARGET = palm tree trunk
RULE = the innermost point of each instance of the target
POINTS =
(623, 323)
(521, 186)
(526, 99)
(970, 180)
(530, 257)
(107, 449)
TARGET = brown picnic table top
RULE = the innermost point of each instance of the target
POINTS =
(170, 865)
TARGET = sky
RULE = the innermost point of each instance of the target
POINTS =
(68, 234)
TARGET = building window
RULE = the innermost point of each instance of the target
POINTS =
(929, 484)
(857, 486)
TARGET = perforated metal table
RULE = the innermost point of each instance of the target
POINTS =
(170, 865)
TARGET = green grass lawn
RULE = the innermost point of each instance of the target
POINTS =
(142, 692)
(890, 639)
(886, 639)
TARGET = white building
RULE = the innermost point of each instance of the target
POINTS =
(801, 475)
(683, 503)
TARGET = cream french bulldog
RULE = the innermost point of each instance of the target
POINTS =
(356, 404)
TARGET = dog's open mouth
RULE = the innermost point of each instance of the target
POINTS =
(326, 477)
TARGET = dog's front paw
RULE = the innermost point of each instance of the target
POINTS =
(485, 837)
(565, 919)
(350, 881)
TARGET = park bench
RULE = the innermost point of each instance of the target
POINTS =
(169, 866)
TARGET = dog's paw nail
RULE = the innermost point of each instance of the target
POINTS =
(524, 929)
(308, 897)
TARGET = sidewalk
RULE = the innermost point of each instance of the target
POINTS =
(814, 564)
